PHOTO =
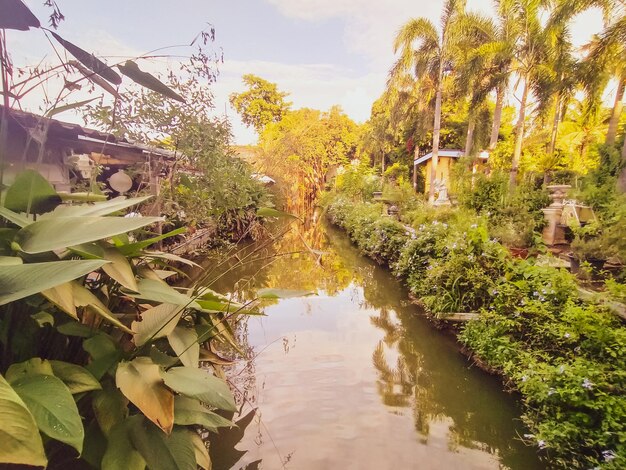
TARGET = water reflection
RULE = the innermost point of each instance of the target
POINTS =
(355, 377)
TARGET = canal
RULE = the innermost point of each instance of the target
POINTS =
(355, 377)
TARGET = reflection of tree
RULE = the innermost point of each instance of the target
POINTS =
(429, 377)
(299, 259)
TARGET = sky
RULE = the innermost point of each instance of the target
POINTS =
(321, 52)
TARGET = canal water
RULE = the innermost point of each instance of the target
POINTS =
(354, 377)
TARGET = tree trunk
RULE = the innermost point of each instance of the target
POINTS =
(497, 117)
(436, 132)
(555, 125)
(621, 180)
(611, 134)
(519, 136)
(469, 140)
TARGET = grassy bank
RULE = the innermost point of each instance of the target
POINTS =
(566, 357)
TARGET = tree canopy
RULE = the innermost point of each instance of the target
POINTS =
(260, 104)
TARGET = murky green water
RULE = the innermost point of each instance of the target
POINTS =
(356, 377)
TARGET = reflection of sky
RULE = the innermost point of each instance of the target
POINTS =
(319, 400)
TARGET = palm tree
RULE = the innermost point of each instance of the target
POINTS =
(529, 52)
(486, 54)
(429, 61)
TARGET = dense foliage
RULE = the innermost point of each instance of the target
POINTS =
(99, 353)
(564, 355)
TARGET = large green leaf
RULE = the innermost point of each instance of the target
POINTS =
(34, 366)
(111, 206)
(89, 60)
(13, 217)
(56, 233)
(83, 297)
(162, 452)
(202, 453)
(159, 291)
(76, 378)
(110, 407)
(156, 322)
(120, 453)
(134, 249)
(19, 281)
(53, 407)
(20, 442)
(202, 385)
(132, 71)
(189, 411)
(104, 352)
(184, 342)
(63, 297)
(140, 381)
(31, 193)
(119, 268)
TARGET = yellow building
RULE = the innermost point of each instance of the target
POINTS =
(447, 158)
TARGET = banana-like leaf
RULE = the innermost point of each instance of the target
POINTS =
(134, 249)
(190, 411)
(10, 260)
(63, 297)
(132, 71)
(201, 385)
(20, 442)
(19, 281)
(76, 378)
(31, 193)
(33, 366)
(203, 460)
(83, 297)
(111, 206)
(120, 452)
(156, 322)
(14, 217)
(15, 15)
(160, 451)
(159, 291)
(140, 381)
(58, 233)
(53, 408)
(119, 268)
(89, 60)
(184, 342)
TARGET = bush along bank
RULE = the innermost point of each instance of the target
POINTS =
(567, 358)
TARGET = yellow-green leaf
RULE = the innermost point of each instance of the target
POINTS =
(53, 407)
(140, 381)
(119, 268)
(20, 442)
(156, 322)
(76, 378)
(184, 342)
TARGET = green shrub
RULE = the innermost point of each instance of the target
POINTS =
(567, 359)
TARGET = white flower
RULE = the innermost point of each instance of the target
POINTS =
(561, 369)
(524, 378)
(541, 443)
(567, 335)
(608, 455)
(587, 384)
(552, 391)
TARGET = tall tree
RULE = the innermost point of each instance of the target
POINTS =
(260, 104)
(529, 52)
(490, 60)
(427, 53)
